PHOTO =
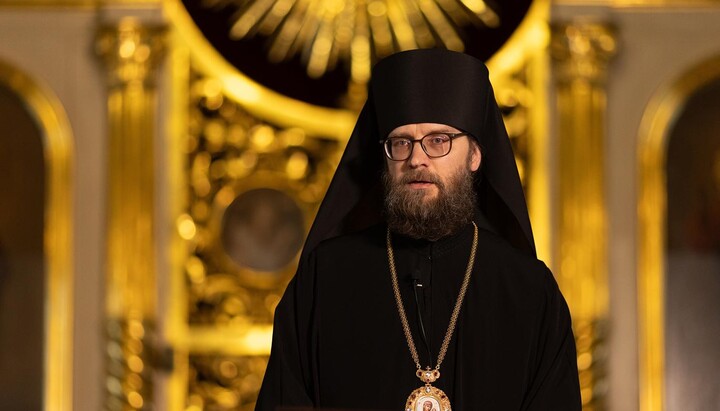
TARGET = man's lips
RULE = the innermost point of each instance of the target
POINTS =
(420, 181)
(420, 184)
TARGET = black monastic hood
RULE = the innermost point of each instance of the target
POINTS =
(425, 86)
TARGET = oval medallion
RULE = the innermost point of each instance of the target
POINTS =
(427, 398)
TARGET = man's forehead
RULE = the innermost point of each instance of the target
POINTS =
(422, 129)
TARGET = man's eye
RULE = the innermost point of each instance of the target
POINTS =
(438, 139)
(400, 143)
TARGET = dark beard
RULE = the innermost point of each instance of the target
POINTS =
(408, 213)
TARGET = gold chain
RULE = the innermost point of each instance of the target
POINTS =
(456, 310)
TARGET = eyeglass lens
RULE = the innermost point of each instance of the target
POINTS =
(434, 145)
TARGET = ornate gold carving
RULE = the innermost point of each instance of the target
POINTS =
(654, 130)
(325, 33)
(513, 96)
(241, 138)
(518, 92)
(58, 238)
(233, 154)
(129, 364)
(131, 53)
(84, 4)
(581, 52)
(257, 100)
(529, 40)
(233, 157)
(225, 383)
(519, 74)
(230, 152)
(590, 337)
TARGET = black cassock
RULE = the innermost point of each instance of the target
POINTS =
(338, 341)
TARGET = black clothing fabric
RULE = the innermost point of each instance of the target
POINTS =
(338, 341)
(425, 86)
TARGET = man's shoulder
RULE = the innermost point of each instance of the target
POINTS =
(507, 261)
(500, 247)
(364, 240)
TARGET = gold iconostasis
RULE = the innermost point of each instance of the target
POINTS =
(164, 173)
(255, 181)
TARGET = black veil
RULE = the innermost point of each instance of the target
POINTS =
(425, 86)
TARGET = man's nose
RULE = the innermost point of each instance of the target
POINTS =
(418, 157)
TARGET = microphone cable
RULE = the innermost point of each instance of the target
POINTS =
(416, 285)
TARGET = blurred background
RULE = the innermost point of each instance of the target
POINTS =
(161, 163)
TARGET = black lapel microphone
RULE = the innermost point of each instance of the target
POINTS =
(415, 278)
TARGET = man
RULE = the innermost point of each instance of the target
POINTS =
(418, 280)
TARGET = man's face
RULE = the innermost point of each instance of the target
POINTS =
(426, 197)
(420, 172)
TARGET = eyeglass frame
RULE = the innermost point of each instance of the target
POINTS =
(452, 136)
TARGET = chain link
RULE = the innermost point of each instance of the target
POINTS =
(456, 310)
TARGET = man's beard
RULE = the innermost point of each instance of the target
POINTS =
(408, 212)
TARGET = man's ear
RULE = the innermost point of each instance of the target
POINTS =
(475, 156)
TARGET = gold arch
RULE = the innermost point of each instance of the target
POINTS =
(531, 35)
(659, 118)
(258, 100)
(57, 146)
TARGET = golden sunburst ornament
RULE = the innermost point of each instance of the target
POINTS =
(358, 32)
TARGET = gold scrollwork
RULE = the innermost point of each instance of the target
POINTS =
(518, 89)
(231, 154)
(244, 176)
(131, 51)
(225, 383)
(518, 73)
(583, 50)
(357, 31)
(129, 361)
(513, 95)
(235, 148)
(255, 99)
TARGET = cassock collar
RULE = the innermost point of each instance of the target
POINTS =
(444, 244)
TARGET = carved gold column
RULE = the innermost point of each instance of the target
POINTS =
(131, 52)
(581, 51)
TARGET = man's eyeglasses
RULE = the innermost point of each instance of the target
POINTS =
(434, 145)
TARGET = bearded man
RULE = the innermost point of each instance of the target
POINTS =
(418, 281)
